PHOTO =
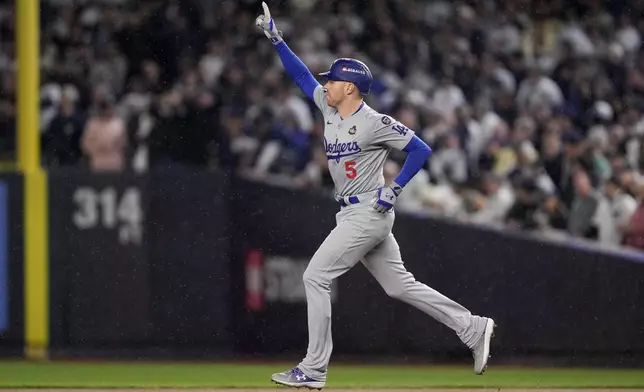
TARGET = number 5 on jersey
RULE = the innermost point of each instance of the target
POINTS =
(350, 168)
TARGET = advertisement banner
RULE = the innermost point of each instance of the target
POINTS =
(274, 280)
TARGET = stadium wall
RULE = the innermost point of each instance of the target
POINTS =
(209, 265)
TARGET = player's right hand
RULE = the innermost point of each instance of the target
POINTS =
(266, 23)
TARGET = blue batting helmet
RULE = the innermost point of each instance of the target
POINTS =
(351, 70)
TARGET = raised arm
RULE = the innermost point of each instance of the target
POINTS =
(295, 68)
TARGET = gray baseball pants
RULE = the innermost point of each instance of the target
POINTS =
(362, 234)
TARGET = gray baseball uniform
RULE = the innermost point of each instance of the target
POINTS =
(357, 148)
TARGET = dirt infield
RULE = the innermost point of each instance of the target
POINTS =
(329, 389)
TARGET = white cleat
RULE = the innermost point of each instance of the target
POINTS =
(481, 351)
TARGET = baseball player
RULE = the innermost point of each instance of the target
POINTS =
(357, 140)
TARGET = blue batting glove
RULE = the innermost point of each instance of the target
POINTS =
(387, 197)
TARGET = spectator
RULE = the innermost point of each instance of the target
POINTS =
(235, 147)
(634, 231)
(499, 157)
(447, 200)
(447, 97)
(523, 214)
(449, 164)
(469, 132)
(61, 140)
(561, 167)
(504, 36)
(288, 101)
(489, 122)
(627, 35)
(583, 214)
(110, 69)
(622, 206)
(552, 214)
(495, 203)
(104, 139)
(536, 90)
(287, 149)
(212, 63)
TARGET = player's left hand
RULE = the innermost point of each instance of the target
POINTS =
(387, 197)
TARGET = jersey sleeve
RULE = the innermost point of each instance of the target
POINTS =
(391, 133)
(320, 99)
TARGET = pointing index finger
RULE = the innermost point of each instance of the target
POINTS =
(267, 13)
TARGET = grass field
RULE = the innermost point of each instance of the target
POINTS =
(247, 376)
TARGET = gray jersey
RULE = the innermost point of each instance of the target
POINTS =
(357, 147)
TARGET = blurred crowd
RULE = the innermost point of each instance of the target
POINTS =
(533, 109)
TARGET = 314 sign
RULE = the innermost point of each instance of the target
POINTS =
(110, 208)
